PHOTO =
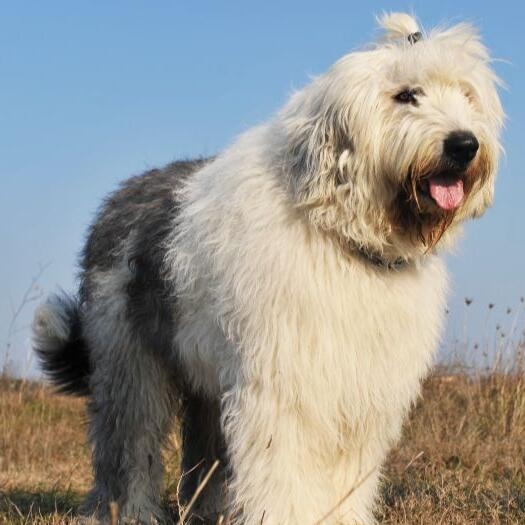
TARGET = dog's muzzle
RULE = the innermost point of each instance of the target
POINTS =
(446, 188)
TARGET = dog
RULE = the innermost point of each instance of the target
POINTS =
(285, 298)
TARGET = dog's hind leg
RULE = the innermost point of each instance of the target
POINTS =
(129, 415)
(203, 446)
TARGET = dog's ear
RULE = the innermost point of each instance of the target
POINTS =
(318, 147)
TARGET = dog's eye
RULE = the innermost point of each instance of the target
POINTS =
(409, 96)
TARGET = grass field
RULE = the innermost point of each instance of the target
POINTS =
(461, 460)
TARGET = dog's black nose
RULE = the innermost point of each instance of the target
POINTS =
(461, 146)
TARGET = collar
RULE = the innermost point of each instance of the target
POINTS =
(379, 262)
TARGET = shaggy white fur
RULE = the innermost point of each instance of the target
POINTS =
(315, 352)
(304, 285)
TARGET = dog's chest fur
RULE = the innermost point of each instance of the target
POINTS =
(264, 298)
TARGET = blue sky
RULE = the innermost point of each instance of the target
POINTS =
(92, 92)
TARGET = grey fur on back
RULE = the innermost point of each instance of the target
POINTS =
(131, 229)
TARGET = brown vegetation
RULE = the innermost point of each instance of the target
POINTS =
(462, 457)
(461, 460)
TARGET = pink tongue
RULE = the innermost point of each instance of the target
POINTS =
(446, 191)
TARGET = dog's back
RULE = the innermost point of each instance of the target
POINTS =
(130, 233)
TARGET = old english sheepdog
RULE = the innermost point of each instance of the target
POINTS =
(284, 298)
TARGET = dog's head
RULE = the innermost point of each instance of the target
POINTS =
(397, 144)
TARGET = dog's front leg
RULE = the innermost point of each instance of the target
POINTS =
(277, 473)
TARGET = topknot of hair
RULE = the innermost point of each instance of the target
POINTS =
(398, 26)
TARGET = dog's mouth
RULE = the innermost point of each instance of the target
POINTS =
(444, 189)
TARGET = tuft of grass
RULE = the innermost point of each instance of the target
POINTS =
(461, 459)
(40, 507)
(44, 462)
(42, 439)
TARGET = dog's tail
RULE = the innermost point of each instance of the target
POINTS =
(59, 345)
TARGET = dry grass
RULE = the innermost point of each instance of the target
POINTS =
(44, 464)
(461, 460)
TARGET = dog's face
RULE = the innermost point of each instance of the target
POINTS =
(442, 127)
(396, 145)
